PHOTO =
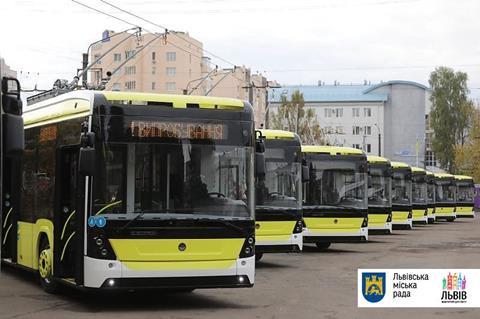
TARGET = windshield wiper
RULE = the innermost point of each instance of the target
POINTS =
(222, 222)
(131, 221)
(151, 211)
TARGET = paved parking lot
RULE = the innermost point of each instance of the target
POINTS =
(315, 284)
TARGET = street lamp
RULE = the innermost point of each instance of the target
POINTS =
(379, 140)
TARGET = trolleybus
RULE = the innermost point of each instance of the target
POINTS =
(430, 197)
(419, 196)
(379, 195)
(124, 190)
(335, 195)
(401, 195)
(465, 196)
(445, 191)
(278, 211)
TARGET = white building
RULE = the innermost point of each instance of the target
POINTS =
(386, 119)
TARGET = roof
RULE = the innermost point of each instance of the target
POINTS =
(377, 159)
(374, 87)
(443, 175)
(429, 173)
(277, 134)
(328, 93)
(463, 177)
(399, 165)
(418, 170)
(332, 150)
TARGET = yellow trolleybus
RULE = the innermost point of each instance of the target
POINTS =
(401, 195)
(419, 196)
(335, 195)
(123, 190)
(445, 191)
(465, 196)
(379, 195)
(278, 211)
(430, 197)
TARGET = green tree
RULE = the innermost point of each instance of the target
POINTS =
(292, 116)
(451, 114)
(467, 156)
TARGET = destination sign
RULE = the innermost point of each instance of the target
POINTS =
(180, 130)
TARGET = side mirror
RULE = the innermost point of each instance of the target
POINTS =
(86, 161)
(260, 165)
(305, 173)
(14, 142)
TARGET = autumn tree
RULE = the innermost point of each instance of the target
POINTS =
(451, 114)
(467, 156)
(292, 116)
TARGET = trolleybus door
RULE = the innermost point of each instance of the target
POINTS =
(68, 217)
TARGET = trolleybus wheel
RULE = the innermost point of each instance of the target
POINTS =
(450, 219)
(258, 256)
(45, 263)
(323, 245)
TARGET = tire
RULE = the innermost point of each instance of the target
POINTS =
(45, 263)
(258, 256)
(323, 245)
(450, 219)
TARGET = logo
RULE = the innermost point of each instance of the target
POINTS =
(182, 247)
(373, 286)
(453, 288)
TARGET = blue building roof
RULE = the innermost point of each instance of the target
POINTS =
(338, 93)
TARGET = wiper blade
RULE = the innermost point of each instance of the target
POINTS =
(224, 223)
(131, 221)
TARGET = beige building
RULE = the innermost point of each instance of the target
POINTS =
(174, 63)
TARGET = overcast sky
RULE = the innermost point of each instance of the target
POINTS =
(293, 42)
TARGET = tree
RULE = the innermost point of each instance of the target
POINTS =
(467, 156)
(451, 114)
(292, 116)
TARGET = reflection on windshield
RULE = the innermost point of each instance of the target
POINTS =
(281, 186)
(401, 189)
(465, 193)
(379, 188)
(419, 190)
(431, 193)
(337, 184)
(183, 178)
(445, 192)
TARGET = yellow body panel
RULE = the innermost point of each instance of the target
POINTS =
(332, 150)
(274, 230)
(332, 225)
(430, 213)
(444, 211)
(399, 216)
(399, 165)
(64, 110)
(377, 159)
(418, 214)
(167, 250)
(178, 101)
(465, 211)
(277, 134)
(28, 235)
(377, 220)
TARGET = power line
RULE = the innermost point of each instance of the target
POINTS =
(105, 13)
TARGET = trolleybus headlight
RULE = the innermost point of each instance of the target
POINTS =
(104, 252)
(410, 214)
(248, 250)
(298, 227)
(251, 240)
(389, 218)
(99, 241)
(365, 222)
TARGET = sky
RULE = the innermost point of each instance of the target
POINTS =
(292, 42)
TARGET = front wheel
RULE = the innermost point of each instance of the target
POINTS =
(45, 266)
(323, 245)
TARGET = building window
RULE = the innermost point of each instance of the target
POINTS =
(117, 57)
(153, 56)
(154, 70)
(96, 57)
(369, 148)
(171, 56)
(130, 85)
(339, 130)
(368, 130)
(116, 87)
(367, 112)
(357, 146)
(328, 112)
(339, 112)
(129, 54)
(129, 70)
(170, 86)
(355, 112)
(171, 71)
(153, 86)
(357, 130)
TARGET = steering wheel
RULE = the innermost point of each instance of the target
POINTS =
(219, 195)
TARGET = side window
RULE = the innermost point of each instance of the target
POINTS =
(45, 175)
(29, 167)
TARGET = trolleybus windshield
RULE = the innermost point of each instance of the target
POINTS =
(379, 187)
(445, 191)
(402, 188)
(465, 192)
(172, 170)
(430, 192)
(419, 189)
(336, 183)
(281, 187)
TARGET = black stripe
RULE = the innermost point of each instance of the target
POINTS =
(379, 210)
(262, 215)
(400, 208)
(464, 204)
(419, 206)
(334, 213)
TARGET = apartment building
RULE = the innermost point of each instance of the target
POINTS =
(387, 118)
